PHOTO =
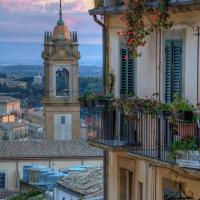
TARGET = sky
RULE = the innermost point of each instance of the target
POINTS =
(27, 20)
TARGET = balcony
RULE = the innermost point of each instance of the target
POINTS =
(102, 7)
(145, 134)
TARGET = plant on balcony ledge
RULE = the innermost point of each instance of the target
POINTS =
(93, 99)
(185, 153)
(136, 30)
(130, 106)
(98, 4)
(181, 109)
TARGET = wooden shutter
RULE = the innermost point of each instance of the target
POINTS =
(127, 72)
(173, 69)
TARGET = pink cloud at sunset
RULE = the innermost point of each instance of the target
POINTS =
(44, 5)
(26, 20)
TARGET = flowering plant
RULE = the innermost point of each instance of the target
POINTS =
(136, 30)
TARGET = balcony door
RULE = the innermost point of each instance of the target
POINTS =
(173, 69)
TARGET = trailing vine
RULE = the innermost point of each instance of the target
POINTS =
(136, 31)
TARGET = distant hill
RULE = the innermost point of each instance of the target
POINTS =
(24, 59)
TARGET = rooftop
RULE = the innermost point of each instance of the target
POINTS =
(88, 183)
(8, 99)
(47, 149)
(12, 125)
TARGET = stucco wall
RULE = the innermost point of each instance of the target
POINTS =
(147, 173)
(146, 64)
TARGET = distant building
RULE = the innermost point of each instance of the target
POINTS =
(34, 117)
(13, 131)
(7, 118)
(86, 184)
(35, 131)
(13, 83)
(9, 105)
(38, 80)
(56, 155)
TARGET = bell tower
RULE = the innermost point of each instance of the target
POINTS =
(61, 99)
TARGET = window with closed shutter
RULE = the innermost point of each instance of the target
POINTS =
(127, 73)
(2, 180)
(173, 69)
(127, 79)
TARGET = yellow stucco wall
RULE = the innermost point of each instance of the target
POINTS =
(148, 173)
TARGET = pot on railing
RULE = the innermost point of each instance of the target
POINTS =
(189, 159)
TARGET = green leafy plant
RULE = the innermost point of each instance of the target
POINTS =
(181, 105)
(184, 145)
(111, 84)
(98, 4)
(28, 195)
(87, 98)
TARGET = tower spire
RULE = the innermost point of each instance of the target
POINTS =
(60, 21)
(60, 10)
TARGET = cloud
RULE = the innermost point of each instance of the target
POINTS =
(16, 6)
(26, 20)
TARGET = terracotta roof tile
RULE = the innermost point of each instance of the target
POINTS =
(47, 149)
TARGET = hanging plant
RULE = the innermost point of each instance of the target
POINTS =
(136, 31)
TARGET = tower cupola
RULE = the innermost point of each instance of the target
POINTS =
(61, 31)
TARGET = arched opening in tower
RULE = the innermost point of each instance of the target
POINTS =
(62, 82)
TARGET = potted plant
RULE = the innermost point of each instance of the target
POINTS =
(88, 99)
(185, 153)
(182, 117)
(181, 109)
(98, 4)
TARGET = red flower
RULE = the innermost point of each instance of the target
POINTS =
(143, 43)
(154, 18)
(126, 57)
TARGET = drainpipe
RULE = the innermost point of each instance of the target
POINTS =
(104, 50)
(160, 62)
(198, 39)
(105, 160)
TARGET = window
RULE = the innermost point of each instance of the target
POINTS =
(126, 184)
(127, 73)
(62, 82)
(140, 191)
(171, 190)
(127, 88)
(2, 180)
(173, 69)
(62, 120)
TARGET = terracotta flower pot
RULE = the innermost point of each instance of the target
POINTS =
(186, 129)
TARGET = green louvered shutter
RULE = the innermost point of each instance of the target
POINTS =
(127, 72)
(127, 80)
(173, 69)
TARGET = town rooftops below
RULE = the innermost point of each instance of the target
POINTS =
(47, 149)
(84, 184)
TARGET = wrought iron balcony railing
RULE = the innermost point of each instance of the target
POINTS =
(150, 135)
